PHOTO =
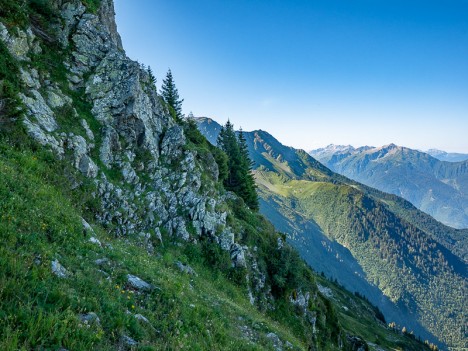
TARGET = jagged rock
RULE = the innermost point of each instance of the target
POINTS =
(38, 108)
(36, 132)
(177, 227)
(325, 291)
(89, 133)
(301, 300)
(185, 268)
(312, 318)
(173, 141)
(146, 242)
(138, 283)
(279, 244)
(276, 341)
(90, 318)
(55, 98)
(107, 19)
(59, 270)
(129, 173)
(357, 344)
(30, 78)
(71, 12)
(157, 234)
(82, 161)
(226, 239)
(20, 44)
(238, 256)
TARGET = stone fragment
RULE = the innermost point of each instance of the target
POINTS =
(138, 283)
(59, 270)
(185, 268)
(90, 318)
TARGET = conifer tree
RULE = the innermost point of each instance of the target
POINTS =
(239, 177)
(248, 187)
(170, 95)
(152, 78)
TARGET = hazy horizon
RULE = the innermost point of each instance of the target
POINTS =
(314, 73)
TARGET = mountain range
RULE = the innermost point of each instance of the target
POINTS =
(116, 230)
(404, 261)
(439, 188)
(447, 156)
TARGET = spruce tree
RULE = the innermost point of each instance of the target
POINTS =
(171, 95)
(239, 176)
(248, 188)
(152, 78)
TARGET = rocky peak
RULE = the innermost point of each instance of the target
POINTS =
(107, 19)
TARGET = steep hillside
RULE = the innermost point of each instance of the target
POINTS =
(372, 242)
(436, 187)
(115, 232)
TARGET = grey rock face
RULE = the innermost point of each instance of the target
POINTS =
(173, 141)
(107, 19)
(38, 108)
(301, 300)
(226, 239)
(276, 341)
(82, 161)
(30, 78)
(20, 45)
(147, 179)
(238, 256)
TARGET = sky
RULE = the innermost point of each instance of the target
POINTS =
(313, 72)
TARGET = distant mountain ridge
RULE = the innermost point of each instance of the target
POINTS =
(439, 188)
(372, 242)
(447, 156)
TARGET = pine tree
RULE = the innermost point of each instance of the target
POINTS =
(239, 176)
(248, 188)
(152, 78)
(171, 95)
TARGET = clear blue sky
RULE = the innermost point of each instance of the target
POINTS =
(313, 72)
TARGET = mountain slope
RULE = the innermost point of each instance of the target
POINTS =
(436, 187)
(115, 232)
(375, 243)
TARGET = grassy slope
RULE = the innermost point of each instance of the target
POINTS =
(343, 213)
(41, 222)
